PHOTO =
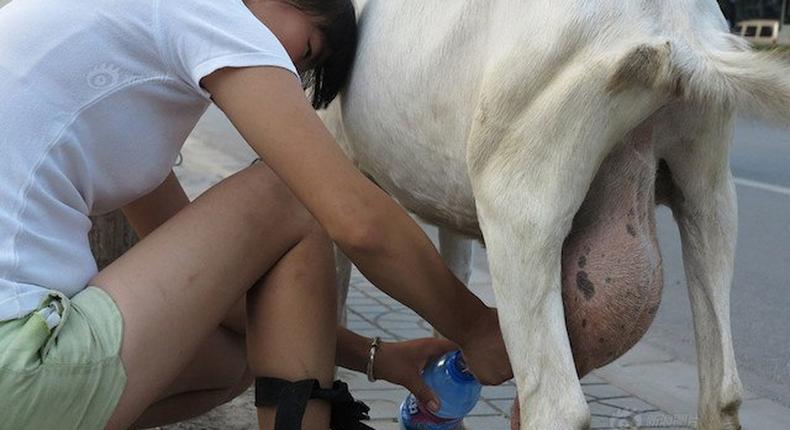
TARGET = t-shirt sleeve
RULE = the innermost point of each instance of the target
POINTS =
(198, 37)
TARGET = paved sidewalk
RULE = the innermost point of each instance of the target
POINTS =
(372, 313)
(646, 388)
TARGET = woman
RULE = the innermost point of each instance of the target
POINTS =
(236, 285)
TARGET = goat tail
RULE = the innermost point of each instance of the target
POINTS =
(756, 83)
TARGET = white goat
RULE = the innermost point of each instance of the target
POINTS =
(550, 129)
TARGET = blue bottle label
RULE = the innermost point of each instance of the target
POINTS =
(415, 417)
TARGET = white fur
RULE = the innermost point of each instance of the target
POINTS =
(492, 117)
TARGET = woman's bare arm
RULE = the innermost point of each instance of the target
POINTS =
(397, 362)
(268, 107)
(153, 209)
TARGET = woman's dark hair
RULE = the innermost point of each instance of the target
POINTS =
(338, 22)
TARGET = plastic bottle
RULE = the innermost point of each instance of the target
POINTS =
(458, 392)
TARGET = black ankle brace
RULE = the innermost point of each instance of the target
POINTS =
(291, 400)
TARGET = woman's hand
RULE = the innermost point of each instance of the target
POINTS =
(484, 350)
(402, 363)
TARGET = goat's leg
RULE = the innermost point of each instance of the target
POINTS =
(531, 161)
(524, 249)
(343, 278)
(456, 251)
(527, 286)
(524, 221)
(705, 206)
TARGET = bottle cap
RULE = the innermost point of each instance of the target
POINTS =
(457, 368)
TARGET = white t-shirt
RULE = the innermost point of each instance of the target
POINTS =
(96, 99)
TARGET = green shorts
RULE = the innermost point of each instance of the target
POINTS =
(70, 377)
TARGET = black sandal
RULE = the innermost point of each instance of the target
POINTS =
(291, 400)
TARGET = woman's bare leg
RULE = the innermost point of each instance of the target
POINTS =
(176, 285)
(217, 373)
(291, 332)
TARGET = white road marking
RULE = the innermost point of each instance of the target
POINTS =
(763, 186)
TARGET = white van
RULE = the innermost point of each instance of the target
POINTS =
(759, 31)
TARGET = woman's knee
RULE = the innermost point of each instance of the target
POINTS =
(293, 215)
